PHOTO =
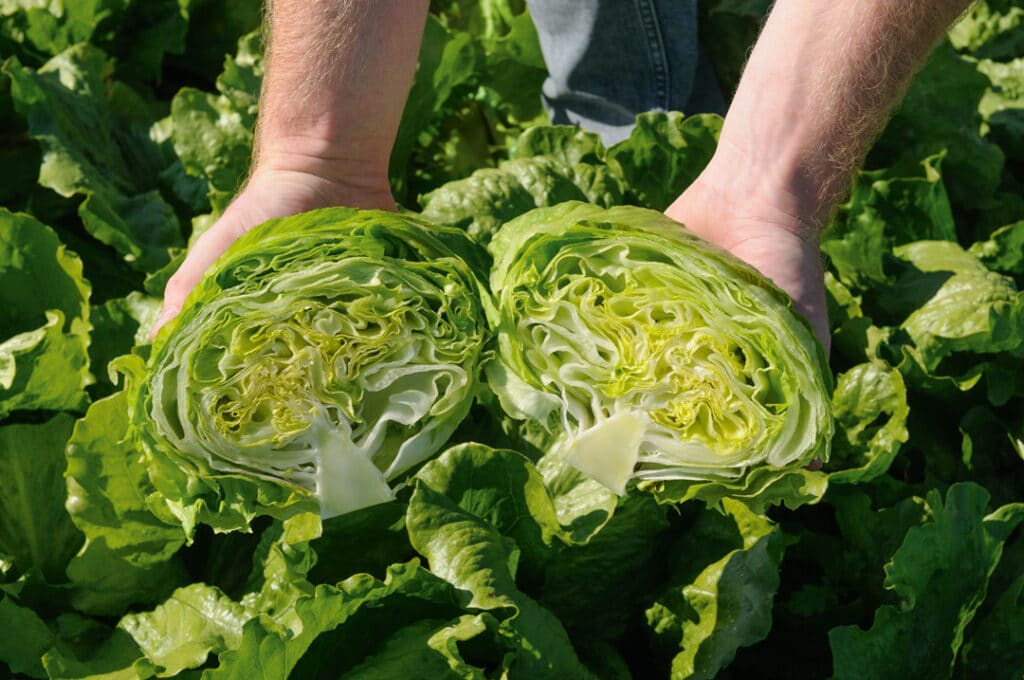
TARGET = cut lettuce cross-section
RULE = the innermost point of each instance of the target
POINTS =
(323, 356)
(645, 353)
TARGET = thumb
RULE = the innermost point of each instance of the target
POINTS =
(201, 256)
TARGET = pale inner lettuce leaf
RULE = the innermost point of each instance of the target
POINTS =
(652, 358)
(281, 391)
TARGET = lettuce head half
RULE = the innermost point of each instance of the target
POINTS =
(636, 351)
(322, 356)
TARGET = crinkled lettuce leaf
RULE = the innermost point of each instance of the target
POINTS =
(870, 406)
(44, 314)
(118, 325)
(940, 112)
(212, 133)
(1003, 250)
(138, 32)
(940, 574)
(990, 29)
(474, 514)
(35, 529)
(547, 165)
(887, 208)
(1003, 104)
(663, 154)
(192, 623)
(703, 618)
(94, 132)
(129, 553)
(551, 164)
(965, 321)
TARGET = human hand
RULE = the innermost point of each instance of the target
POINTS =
(268, 194)
(763, 233)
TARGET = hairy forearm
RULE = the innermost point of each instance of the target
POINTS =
(818, 88)
(337, 77)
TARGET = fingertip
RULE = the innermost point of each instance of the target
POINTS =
(168, 312)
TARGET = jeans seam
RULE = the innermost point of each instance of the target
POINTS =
(656, 51)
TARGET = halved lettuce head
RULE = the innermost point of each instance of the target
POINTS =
(323, 356)
(642, 352)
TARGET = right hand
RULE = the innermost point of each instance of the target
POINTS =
(268, 194)
(739, 203)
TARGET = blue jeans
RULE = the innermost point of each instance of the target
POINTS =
(609, 60)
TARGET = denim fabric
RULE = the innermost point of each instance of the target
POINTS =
(609, 60)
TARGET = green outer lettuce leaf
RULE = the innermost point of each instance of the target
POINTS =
(940, 113)
(474, 513)
(664, 154)
(887, 208)
(990, 29)
(118, 325)
(503, 489)
(26, 637)
(727, 605)
(322, 357)
(264, 653)
(44, 304)
(417, 628)
(108, 491)
(972, 308)
(575, 542)
(646, 353)
(621, 563)
(551, 164)
(489, 197)
(195, 621)
(448, 62)
(1003, 251)
(566, 144)
(137, 32)
(212, 134)
(95, 138)
(941, 574)
(128, 555)
(34, 526)
(870, 406)
(282, 563)
(514, 65)
(1003, 105)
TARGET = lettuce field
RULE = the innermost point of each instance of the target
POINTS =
(470, 530)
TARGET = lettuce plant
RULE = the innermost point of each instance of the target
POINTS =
(640, 351)
(323, 356)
